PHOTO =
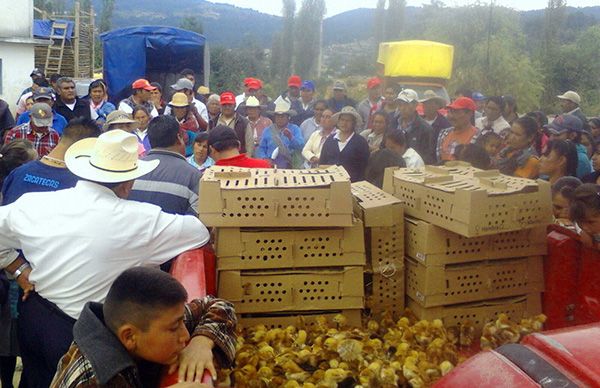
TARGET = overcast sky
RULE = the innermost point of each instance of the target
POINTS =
(338, 6)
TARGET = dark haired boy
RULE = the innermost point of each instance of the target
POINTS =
(143, 326)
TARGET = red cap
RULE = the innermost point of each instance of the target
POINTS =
(142, 84)
(254, 84)
(373, 83)
(227, 98)
(463, 103)
(246, 80)
(295, 81)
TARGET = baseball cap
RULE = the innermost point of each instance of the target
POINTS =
(183, 83)
(571, 96)
(373, 82)
(408, 95)
(142, 84)
(478, 96)
(41, 114)
(247, 80)
(295, 81)
(564, 123)
(464, 103)
(308, 85)
(227, 98)
(44, 93)
(221, 133)
(254, 84)
(37, 72)
(339, 85)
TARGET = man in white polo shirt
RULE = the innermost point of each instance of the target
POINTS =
(77, 247)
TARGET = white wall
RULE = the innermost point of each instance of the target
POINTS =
(16, 18)
(17, 63)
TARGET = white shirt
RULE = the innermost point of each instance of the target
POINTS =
(500, 125)
(412, 159)
(199, 106)
(342, 144)
(239, 99)
(313, 146)
(79, 240)
(127, 109)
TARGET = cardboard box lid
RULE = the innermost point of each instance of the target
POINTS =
(237, 178)
(374, 205)
(491, 182)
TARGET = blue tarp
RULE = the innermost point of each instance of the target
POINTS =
(43, 28)
(151, 52)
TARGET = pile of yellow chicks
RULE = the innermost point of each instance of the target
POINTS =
(387, 353)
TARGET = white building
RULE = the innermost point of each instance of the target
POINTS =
(16, 48)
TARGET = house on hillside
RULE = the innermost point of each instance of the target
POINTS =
(16, 48)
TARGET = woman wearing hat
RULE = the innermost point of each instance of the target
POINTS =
(281, 140)
(347, 148)
(181, 110)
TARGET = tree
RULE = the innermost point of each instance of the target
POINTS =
(379, 23)
(554, 17)
(394, 19)
(308, 26)
(108, 7)
(192, 23)
(287, 38)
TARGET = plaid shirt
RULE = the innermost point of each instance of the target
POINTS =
(43, 142)
(209, 316)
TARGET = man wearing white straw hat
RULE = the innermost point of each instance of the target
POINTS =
(77, 247)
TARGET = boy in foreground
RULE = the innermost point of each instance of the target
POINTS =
(143, 326)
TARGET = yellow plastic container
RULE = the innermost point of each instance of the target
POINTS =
(416, 58)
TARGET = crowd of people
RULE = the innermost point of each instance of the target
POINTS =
(92, 190)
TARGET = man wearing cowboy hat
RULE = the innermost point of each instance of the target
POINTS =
(281, 140)
(78, 246)
(186, 86)
(258, 122)
(432, 103)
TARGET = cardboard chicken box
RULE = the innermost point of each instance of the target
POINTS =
(432, 245)
(260, 248)
(459, 283)
(478, 314)
(300, 290)
(475, 203)
(243, 197)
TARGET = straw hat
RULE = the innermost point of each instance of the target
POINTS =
(283, 107)
(431, 95)
(179, 100)
(110, 158)
(252, 102)
(348, 110)
(117, 117)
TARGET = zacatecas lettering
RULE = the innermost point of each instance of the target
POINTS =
(36, 180)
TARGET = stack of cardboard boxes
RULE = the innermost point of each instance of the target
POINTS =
(474, 242)
(287, 243)
(383, 218)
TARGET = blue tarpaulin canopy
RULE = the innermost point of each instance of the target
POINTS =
(43, 28)
(153, 52)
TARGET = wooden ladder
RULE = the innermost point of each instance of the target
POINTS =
(54, 56)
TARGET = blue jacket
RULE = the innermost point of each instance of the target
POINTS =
(267, 145)
(584, 166)
(58, 121)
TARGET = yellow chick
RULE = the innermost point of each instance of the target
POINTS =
(350, 349)
(373, 326)
(301, 338)
(446, 367)
(340, 320)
